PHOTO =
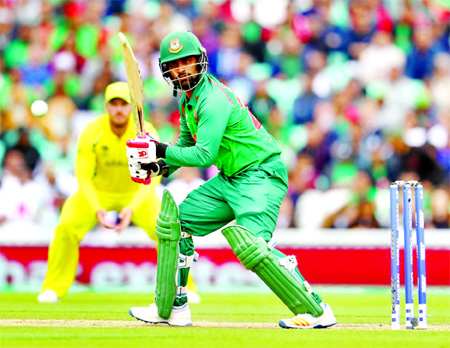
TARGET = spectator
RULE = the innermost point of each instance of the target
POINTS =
(16, 52)
(17, 112)
(68, 52)
(440, 81)
(399, 96)
(262, 104)
(353, 215)
(36, 71)
(440, 208)
(360, 211)
(441, 136)
(362, 27)
(225, 61)
(56, 124)
(314, 28)
(304, 104)
(378, 58)
(21, 197)
(423, 161)
(303, 177)
(419, 63)
(203, 28)
(30, 153)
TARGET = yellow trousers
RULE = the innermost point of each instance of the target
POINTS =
(77, 218)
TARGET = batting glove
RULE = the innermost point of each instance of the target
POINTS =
(140, 151)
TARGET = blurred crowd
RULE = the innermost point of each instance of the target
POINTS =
(357, 92)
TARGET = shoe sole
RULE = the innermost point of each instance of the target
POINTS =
(158, 322)
(284, 326)
(48, 302)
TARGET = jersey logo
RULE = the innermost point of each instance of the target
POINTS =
(142, 154)
(175, 46)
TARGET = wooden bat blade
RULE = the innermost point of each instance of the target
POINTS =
(134, 84)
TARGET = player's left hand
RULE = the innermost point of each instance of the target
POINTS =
(125, 219)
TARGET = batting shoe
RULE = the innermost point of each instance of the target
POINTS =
(307, 321)
(48, 296)
(180, 316)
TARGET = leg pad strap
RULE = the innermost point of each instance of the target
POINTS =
(186, 261)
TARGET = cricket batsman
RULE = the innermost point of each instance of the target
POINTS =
(104, 185)
(216, 128)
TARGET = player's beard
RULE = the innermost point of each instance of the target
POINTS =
(187, 82)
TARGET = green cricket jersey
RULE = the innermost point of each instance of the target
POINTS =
(216, 128)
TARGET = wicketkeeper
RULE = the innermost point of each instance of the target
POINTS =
(103, 184)
(216, 128)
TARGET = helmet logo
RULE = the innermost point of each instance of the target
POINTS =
(175, 46)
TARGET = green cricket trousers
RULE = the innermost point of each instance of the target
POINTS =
(252, 197)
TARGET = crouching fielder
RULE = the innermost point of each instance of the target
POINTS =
(216, 128)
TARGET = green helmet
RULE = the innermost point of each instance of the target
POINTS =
(178, 45)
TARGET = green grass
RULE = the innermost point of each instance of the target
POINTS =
(366, 307)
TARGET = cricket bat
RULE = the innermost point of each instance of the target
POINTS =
(134, 84)
(137, 101)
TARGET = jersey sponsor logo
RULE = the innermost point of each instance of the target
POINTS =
(175, 46)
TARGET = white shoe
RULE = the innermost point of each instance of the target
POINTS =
(193, 297)
(307, 321)
(180, 316)
(48, 296)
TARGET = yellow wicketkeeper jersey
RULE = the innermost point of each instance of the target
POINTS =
(101, 164)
